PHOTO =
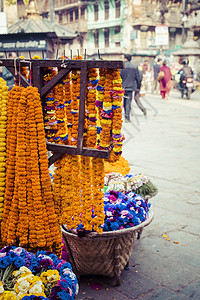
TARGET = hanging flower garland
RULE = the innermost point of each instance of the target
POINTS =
(51, 127)
(91, 112)
(117, 93)
(86, 193)
(76, 76)
(106, 114)
(11, 144)
(59, 101)
(100, 99)
(3, 120)
(97, 192)
(31, 219)
(68, 100)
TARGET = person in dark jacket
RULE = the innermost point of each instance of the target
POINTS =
(7, 76)
(156, 70)
(131, 81)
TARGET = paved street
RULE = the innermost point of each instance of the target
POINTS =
(165, 262)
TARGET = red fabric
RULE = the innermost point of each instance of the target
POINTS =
(167, 77)
(165, 82)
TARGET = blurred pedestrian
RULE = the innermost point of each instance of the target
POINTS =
(131, 82)
(165, 82)
(7, 76)
(156, 70)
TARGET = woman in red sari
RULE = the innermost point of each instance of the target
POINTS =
(165, 82)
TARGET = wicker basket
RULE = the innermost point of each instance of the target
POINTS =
(102, 254)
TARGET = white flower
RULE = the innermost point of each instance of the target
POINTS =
(37, 288)
(22, 270)
(23, 285)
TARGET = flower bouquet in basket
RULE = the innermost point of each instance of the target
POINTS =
(25, 275)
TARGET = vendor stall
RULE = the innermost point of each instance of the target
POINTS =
(73, 109)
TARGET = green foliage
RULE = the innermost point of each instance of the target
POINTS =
(11, 2)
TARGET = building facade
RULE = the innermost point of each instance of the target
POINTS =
(110, 28)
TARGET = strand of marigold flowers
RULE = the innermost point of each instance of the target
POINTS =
(53, 236)
(10, 216)
(68, 100)
(61, 136)
(20, 173)
(106, 113)
(3, 120)
(117, 93)
(76, 190)
(91, 108)
(50, 114)
(97, 191)
(66, 191)
(30, 203)
(57, 190)
(86, 196)
(76, 75)
(100, 98)
(41, 182)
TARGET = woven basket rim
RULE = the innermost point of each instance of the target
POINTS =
(110, 234)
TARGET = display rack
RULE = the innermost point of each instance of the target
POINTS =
(64, 67)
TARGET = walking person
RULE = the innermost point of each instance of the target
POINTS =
(165, 82)
(131, 82)
(156, 70)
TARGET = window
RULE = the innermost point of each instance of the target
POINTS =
(76, 14)
(71, 16)
(106, 36)
(60, 18)
(117, 31)
(82, 12)
(117, 8)
(96, 38)
(96, 11)
(106, 7)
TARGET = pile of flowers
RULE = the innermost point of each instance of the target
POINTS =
(121, 211)
(138, 183)
(124, 210)
(25, 275)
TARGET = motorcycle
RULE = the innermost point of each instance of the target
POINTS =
(187, 87)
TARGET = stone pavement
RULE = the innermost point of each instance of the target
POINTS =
(165, 262)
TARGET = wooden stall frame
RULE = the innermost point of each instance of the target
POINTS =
(64, 66)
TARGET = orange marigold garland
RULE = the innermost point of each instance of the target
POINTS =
(91, 112)
(9, 218)
(97, 191)
(76, 76)
(68, 100)
(32, 185)
(86, 195)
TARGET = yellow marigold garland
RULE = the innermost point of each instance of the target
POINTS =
(51, 127)
(3, 120)
(68, 100)
(117, 93)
